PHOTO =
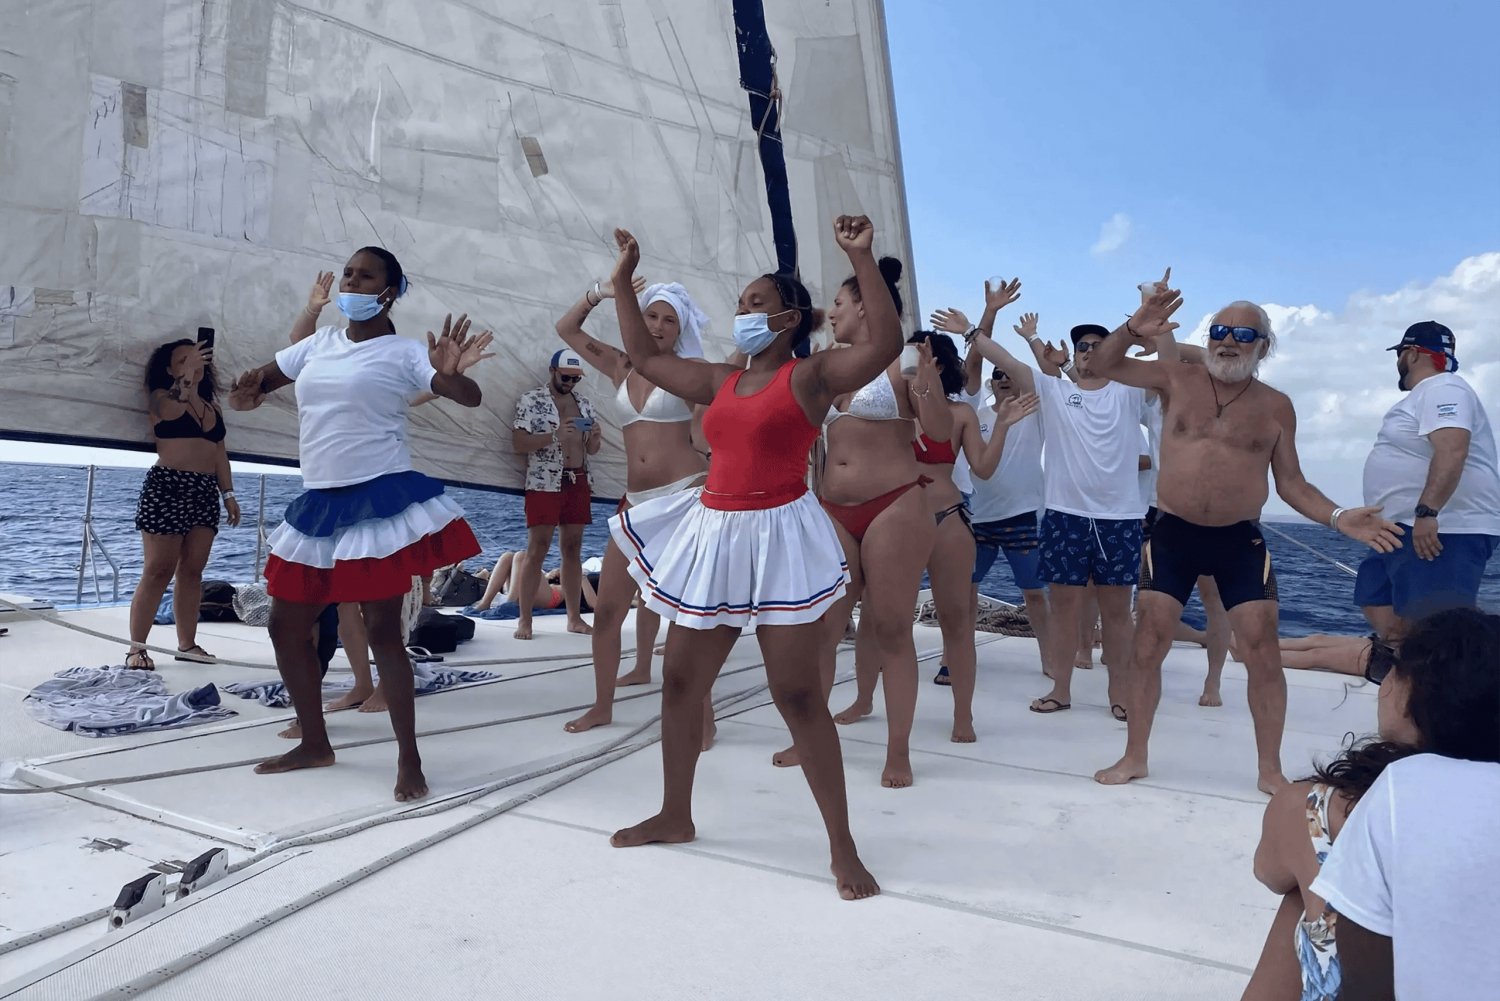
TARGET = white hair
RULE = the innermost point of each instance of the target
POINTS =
(1262, 321)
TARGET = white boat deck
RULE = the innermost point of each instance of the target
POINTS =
(1007, 872)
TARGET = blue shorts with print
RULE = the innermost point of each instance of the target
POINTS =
(1076, 550)
(1414, 587)
(1018, 539)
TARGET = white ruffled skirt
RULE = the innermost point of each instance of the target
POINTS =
(702, 568)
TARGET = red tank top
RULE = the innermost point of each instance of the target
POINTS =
(760, 446)
(937, 453)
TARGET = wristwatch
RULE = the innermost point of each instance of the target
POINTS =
(1423, 511)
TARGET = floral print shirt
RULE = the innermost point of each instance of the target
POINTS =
(536, 413)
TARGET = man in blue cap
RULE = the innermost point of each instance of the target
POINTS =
(1433, 471)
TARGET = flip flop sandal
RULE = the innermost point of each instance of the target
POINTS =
(1118, 712)
(194, 654)
(1057, 706)
(941, 678)
(139, 660)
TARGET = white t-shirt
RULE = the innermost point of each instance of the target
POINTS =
(352, 400)
(1396, 470)
(1093, 448)
(1418, 861)
(1151, 421)
(1016, 486)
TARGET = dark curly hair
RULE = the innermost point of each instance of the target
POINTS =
(794, 295)
(945, 353)
(1449, 661)
(890, 270)
(158, 376)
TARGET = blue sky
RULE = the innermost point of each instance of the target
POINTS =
(1276, 151)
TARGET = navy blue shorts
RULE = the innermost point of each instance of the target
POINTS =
(1415, 587)
(1017, 537)
(1076, 550)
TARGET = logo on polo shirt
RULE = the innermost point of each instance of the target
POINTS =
(1076, 400)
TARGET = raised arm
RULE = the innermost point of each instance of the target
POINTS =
(307, 319)
(1007, 415)
(452, 353)
(607, 358)
(1363, 524)
(845, 371)
(685, 378)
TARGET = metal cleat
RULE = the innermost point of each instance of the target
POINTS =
(210, 867)
(138, 898)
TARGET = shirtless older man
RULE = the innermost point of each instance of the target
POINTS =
(1222, 430)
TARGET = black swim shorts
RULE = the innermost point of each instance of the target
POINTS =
(1235, 556)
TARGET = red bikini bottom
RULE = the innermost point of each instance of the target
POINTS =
(857, 518)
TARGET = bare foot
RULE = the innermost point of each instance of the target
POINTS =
(897, 774)
(523, 632)
(711, 733)
(300, 756)
(963, 731)
(351, 699)
(375, 703)
(410, 782)
(293, 732)
(658, 830)
(1270, 782)
(853, 879)
(857, 711)
(579, 626)
(635, 677)
(594, 717)
(1121, 772)
(788, 758)
(1211, 699)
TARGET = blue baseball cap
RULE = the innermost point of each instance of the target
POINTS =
(1430, 335)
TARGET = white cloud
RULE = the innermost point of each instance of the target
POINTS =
(1112, 235)
(1341, 379)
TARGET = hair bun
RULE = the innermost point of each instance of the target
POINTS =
(890, 269)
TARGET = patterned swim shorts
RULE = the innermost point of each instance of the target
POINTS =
(174, 501)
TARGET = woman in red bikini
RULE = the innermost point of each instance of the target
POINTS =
(751, 548)
(871, 487)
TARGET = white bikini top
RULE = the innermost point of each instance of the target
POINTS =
(661, 407)
(875, 401)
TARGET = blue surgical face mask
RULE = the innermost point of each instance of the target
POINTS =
(360, 306)
(753, 333)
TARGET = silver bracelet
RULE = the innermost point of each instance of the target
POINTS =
(1333, 519)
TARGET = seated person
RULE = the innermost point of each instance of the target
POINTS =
(1437, 698)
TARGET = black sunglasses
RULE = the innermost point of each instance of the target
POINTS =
(1380, 661)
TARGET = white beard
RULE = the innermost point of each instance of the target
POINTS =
(1232, 370)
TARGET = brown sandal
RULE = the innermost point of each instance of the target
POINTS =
(139, 660)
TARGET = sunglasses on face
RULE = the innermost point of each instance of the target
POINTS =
(1380, 661)
(570, 379)
(1242, 335)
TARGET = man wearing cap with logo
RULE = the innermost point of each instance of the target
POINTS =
(556, 429)
(1432, 471)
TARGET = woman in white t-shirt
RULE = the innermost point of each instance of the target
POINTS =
(367, 522)
(1438, 697)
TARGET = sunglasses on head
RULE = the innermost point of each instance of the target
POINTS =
(571, 378)
(1380, 661)
(1242, 335)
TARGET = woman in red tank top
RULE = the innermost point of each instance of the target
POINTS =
(752, 548)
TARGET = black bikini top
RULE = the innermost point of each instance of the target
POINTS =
(188, 426)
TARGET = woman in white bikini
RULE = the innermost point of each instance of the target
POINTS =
(661, 459)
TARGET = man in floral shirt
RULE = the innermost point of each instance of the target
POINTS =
(556, 429)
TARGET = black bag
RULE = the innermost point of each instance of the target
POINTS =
(460, 590)
(439, 633)
(218, 602)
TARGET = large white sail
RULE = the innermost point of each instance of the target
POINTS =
(170, 164)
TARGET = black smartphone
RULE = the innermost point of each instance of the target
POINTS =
(206, 336)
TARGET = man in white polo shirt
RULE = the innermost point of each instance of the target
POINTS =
(1432, 471)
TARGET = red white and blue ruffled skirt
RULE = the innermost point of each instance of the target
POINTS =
(365, 542)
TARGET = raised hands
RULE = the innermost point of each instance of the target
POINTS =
(1027, 327)
(949, 321)
(997, 297)
(1016, 408)
(245, 393)
(628, 261)
(447, 350)
(1154, 316)
(854, 233)
(319, 294)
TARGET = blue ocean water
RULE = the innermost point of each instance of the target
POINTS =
(41, 513)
